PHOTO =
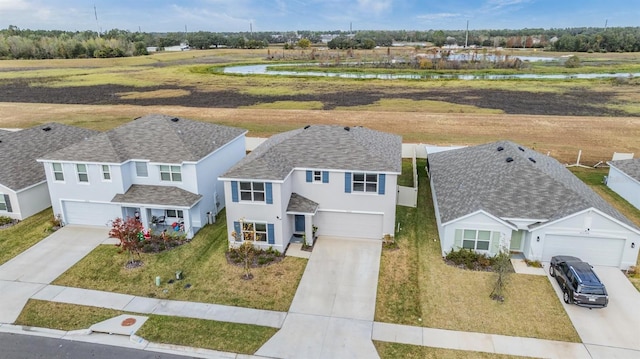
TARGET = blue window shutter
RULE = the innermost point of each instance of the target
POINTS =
(381, 182)
(271, 238)
(325, 176)
(309, 176)
(347, 182)
(236, 227)
(8, 203)
(234, 191)
(268, 189)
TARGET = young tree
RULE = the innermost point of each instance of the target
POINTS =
(304, 43)
(129, 232)
(246, 251)
(502, 269)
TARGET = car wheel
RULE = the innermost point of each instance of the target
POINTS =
(566, 297)
(552, 272)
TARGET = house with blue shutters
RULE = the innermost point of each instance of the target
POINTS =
(319, 180)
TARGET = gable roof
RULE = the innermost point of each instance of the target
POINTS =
(530, 186)
(157, 195)
(322, 147)
(630, 167)
(157, 138)
(19, 151)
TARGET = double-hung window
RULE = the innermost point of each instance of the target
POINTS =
(170, 173)
(317, 176)
(365, 182)
(3, 203)
(476, 240)
(141, 169)
(252, 191)
(106, 173)
(174, 213)
(254, 231)
(83, 175)
(58, 175)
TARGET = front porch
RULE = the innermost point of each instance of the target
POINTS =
(302, 210)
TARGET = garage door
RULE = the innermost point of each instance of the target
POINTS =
(88, 213)
(595, 250)
(356, 225)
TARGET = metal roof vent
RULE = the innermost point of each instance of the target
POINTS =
(532, 159)
(500, 148)
(346, 128)
(175, 119)
(46, 129)
(521, 149)
(509, 159)
(307, 126)
(137, 118)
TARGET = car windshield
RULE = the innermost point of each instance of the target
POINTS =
(592, 290)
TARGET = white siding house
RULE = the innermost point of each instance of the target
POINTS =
(624, 179)
(505, 196)
(160, 169)
(315, 181)
(23, 186)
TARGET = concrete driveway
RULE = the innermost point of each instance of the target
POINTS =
(331, 315)
(611, 332)
(28, 272)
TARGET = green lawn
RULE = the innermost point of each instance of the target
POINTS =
(16, 239)
(417, 288)
(230, 337)
(406, 351)
(204, 266)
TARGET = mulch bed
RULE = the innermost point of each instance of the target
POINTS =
(10, 224)
(260, 259)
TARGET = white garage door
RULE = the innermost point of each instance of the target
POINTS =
(595, 250)
(355, 225)
(93, 214)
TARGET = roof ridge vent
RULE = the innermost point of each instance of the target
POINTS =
(509, 159)
(175, 119)
(532, 159)
(346, 128)
(520, 148)
(46, 129)
(500, 148)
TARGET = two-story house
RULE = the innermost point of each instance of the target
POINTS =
(340, 181)
(23, 186)
(158, 168)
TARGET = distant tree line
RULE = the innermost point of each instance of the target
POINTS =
(16, 43)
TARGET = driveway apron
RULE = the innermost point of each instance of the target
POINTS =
(25, 274)
(614, 328)
(332, 312)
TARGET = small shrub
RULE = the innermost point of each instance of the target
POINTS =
(632, 271)
(5, 220)
(469, 258)
(535, 264)
(572, 62)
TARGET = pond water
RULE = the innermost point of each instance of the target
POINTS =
(263, 70)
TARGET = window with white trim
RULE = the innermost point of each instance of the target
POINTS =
(174, 213)
(365, 182)
(3, 204)
(141, 169)
(254, 231)
(83, 175)
(58, 175)
(170, 173)
(252, 191)
(476, 240)
(317, 176)
(106, 172)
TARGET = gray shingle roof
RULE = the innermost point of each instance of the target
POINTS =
(157, 195)
(19, 151)
(480, 178)
(322, 147)
(301, 204)
(156, 138)
(631, 167)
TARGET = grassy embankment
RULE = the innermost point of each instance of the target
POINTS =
(18, 238)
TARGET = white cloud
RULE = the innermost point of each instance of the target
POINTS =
(14, 5)
(436, 17)
(376, 6)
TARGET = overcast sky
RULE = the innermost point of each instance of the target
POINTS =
(288, 15)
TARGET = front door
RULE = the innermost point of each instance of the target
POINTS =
(299, 223)
(516, 241)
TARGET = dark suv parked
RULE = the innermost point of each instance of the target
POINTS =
(579, 283)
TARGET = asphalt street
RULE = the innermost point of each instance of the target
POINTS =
(16, 346)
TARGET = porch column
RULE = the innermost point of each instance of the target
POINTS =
(308, 229)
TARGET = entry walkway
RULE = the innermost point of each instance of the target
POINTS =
(332, 312)
(29, 272)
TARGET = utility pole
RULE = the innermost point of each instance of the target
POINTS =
(95, 12)
(606, 21)
(251, 29)
(466, 36)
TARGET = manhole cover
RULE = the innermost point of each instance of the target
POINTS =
(128, 322)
